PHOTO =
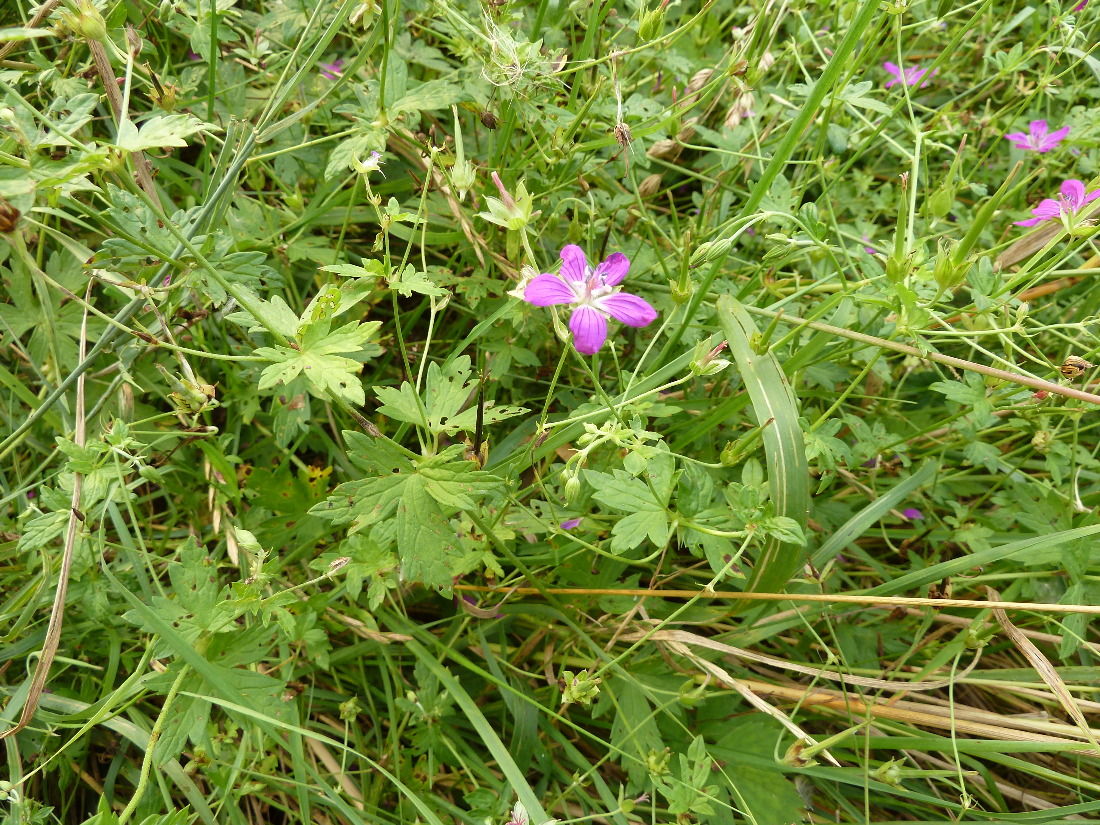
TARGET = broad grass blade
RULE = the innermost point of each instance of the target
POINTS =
(777, 413)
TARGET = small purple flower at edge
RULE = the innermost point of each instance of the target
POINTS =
(593, 294)
(1081, 5)
(1039, 138)
(570, 523)
(1072, 199)
(332, 70)
(912, 514)
(913, 76)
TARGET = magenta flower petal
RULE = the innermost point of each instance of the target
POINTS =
(548, 290)
(1029, 222)
(912, 514)
(1018, 138)
(628, 309)
(574, 263)
(589, 330)
(332, 70)
(1081, 5)
(1074, 192)
(570, 523)
(1053, 139)
(1091, 196)
(614, 268)
(1038, 129)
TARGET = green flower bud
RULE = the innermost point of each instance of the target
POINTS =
(710, 251)
(889, 773)
(580, 688)
(652, 24)
(463, 178)
(947, 272)
(897, 269)
(89, 22)
(682, 292)
(941, 201)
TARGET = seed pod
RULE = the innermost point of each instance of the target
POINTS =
(489, 120)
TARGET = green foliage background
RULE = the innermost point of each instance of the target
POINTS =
(272, 409)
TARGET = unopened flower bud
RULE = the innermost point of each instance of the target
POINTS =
(710, 251)
(897, 268)
(941, 201)
(463, 178)
(889, 773)
(572, 488)
(948, 273)
(89, 22)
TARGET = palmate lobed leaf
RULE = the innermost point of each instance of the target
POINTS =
(447, 389)
(329, 375)
(421, 494)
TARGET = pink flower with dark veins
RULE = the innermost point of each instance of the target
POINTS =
(1039, 138)
(594, 295)
(1073, 198)
(913, 76)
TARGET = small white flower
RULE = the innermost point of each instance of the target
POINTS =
(371, 164)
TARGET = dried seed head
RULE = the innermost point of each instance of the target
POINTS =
(649, 186)
(489, 120)
(664, 149)
(9, 216)
(742, 108)
(1074, 367)
(698, 81)
(687, 131)
(623, 135)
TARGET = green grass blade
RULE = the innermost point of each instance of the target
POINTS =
(777, 412)
(512, 772)
(858, 524)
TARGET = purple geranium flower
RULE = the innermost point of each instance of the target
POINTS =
(593, 294)
(912, 514)
(1039, 138)
(910, 77)
(1073, 198)
(570, 523)
(1081, 5)
(332, 70)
